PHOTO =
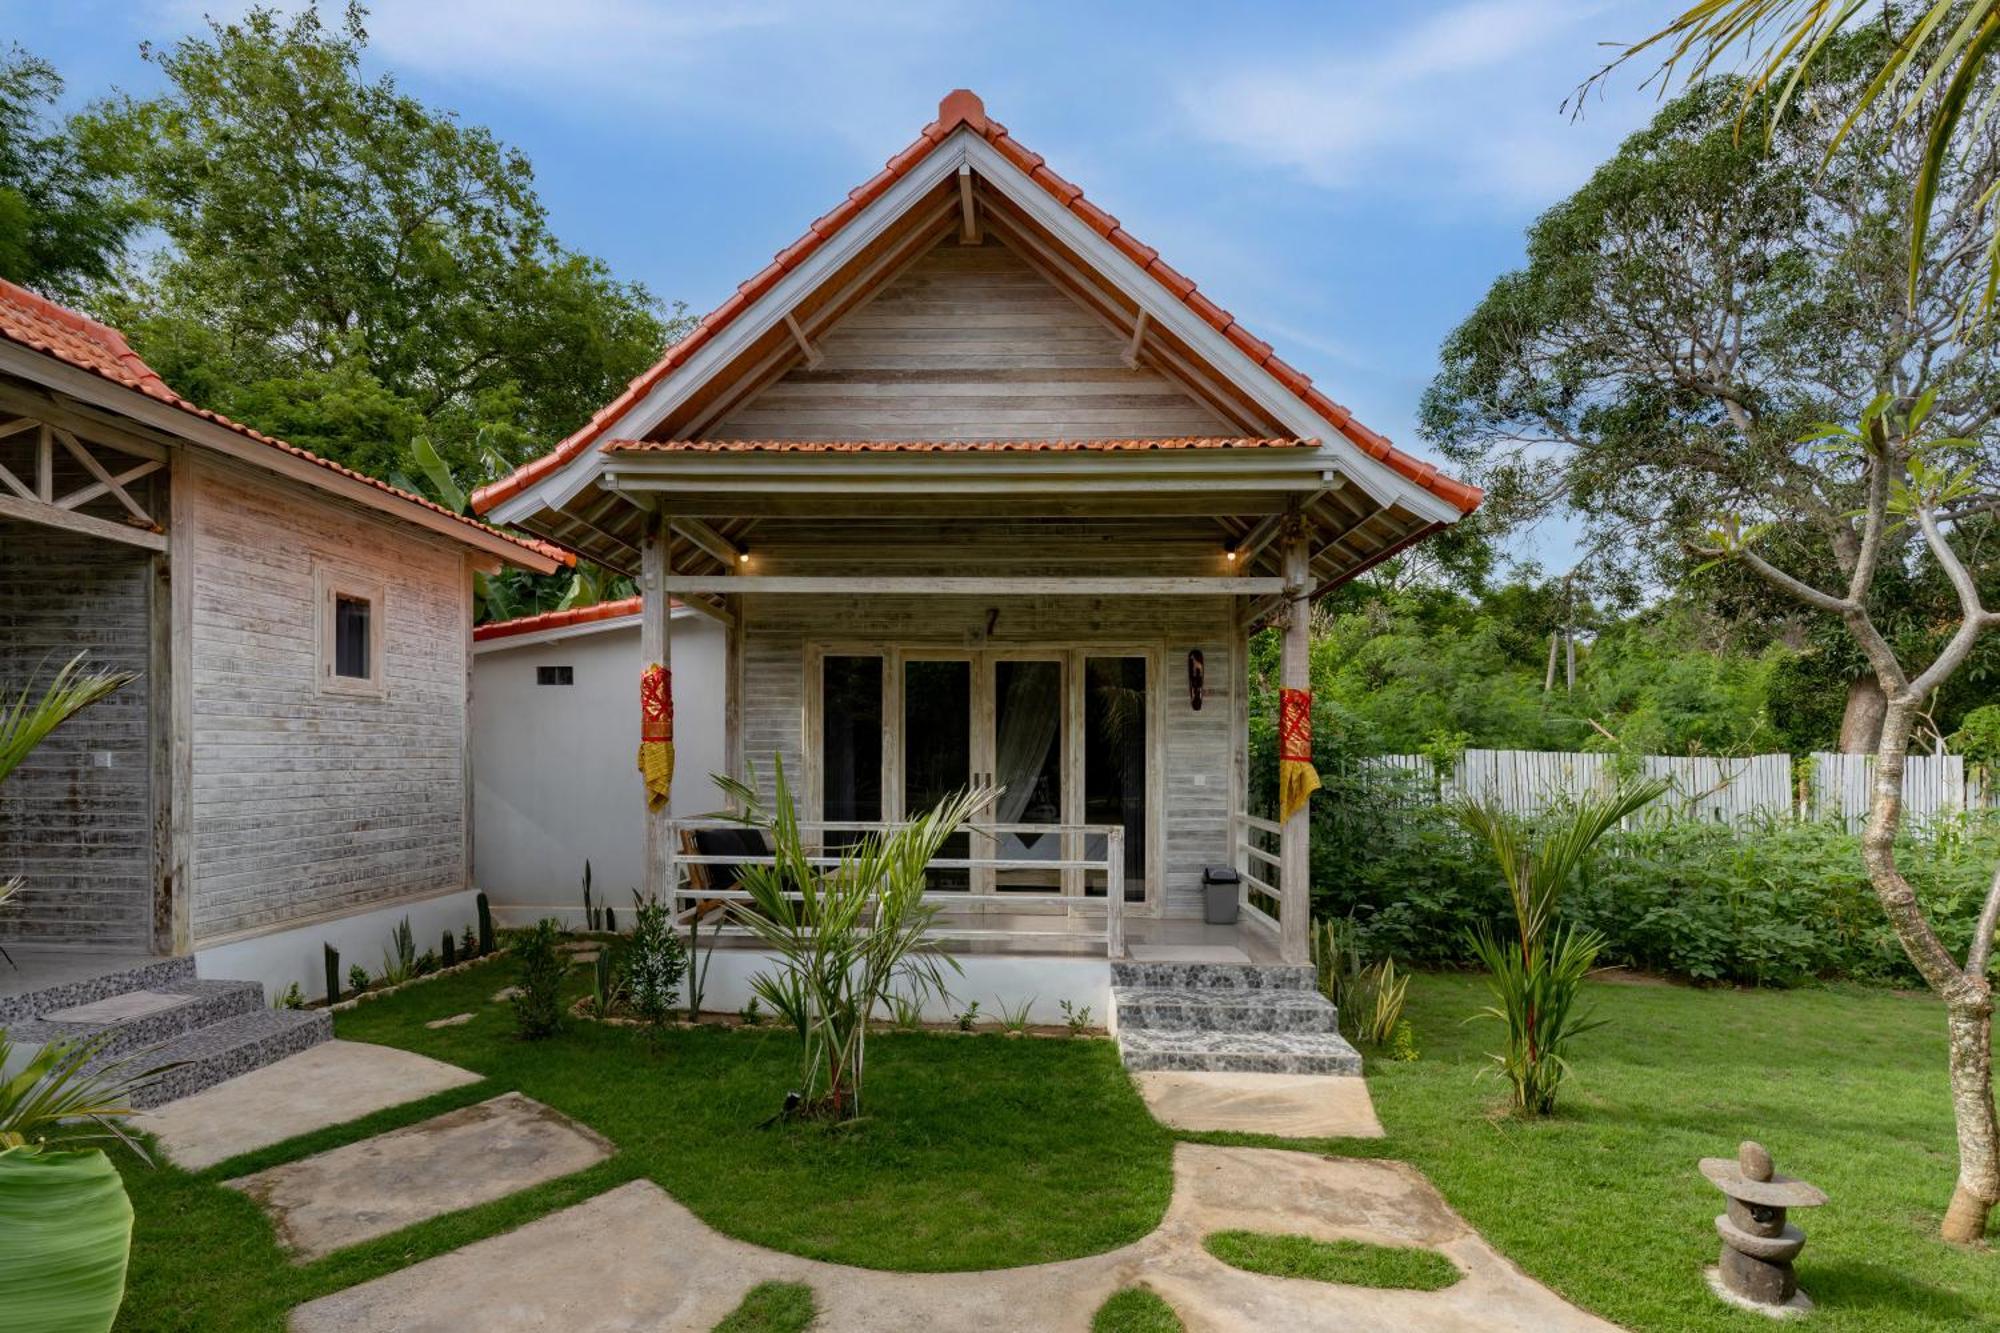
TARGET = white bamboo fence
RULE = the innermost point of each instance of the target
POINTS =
(1731, 791)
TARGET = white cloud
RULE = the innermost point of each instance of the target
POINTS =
(1463, 102)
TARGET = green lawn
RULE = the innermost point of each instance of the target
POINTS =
(1603, 1202)
(1354, 1262)
(977, 1152)
(987, 1152)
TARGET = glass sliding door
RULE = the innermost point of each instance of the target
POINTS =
(850, 770)
(937, 747)
(1116, 712)
(1027, 765)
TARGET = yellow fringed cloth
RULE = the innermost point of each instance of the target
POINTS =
(656, 734)
(1297, 778)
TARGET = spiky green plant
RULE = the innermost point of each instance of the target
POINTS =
(399, 963)
(1537, 976)
(65, 1082)
(846, 936)
(26, 720)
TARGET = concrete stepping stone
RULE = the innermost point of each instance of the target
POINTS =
(1293, 1106)
(454, 1021)
(327, 1084)
(119, 1008)
(450, 1162)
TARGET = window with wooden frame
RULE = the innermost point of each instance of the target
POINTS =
(351, 634)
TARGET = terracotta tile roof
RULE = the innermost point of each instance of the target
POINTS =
(943, 446)
(962, 107)
(547, 620)
(40, 324)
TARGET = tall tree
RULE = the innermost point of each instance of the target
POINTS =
(1689, 313)
(350, 268)
(62, 227)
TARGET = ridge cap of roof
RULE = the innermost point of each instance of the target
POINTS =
(962, 108)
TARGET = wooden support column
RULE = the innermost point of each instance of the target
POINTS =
(1295, 836)
(656, 645)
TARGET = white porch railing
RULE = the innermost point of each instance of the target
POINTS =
(1073, 866)
(1261, 895)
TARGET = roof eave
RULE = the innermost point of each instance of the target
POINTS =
(84, 386)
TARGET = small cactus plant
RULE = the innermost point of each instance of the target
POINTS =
(450, 949)
(485, 925)
(332, 973)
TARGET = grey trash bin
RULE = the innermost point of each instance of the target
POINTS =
(1219, 886)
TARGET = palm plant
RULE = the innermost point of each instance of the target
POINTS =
(848, 937)
(64, 1083)
(26, 721)
(1537, 976)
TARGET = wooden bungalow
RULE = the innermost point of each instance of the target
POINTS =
(984, 491)
(290, 766)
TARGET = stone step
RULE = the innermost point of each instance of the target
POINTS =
(1223, 1010)
(146, 976)
(225, 1049)
(136, 1019)
(1212, 976)
(1238, 1052)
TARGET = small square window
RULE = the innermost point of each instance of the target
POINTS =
(351, 633)
(555, 675)
(351, 657)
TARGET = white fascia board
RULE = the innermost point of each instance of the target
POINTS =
(182, 424)
(1383, 483)
(1105, 472)
(766, 312)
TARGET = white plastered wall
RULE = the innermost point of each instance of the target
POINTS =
(554, 774)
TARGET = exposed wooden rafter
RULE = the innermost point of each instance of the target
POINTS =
(968, 210)
(34, 498)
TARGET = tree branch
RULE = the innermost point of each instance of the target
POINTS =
(1981, 954)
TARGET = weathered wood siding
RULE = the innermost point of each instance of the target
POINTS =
(311, 804)
(969, 343)
(76, 820)
(1197, 759)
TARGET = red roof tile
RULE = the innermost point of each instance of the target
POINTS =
(40, 324)
(945, 446)
(575, 615)
(962, 107)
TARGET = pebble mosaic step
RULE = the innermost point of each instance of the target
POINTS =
(1223, 1010)
(208, 1055)
(159, 973)
(1226, 1017)
(1238, 1052)
(1211, 976)
(133, 1020)
(159, 1013)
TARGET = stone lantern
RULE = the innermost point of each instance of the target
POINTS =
(1758, 1244)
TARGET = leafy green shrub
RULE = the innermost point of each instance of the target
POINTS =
(357, 978)
(1777, 902)
(538, 983)
(655, 962)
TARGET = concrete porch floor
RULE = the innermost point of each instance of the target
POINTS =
(1148, 939)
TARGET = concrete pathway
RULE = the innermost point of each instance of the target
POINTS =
(327, 1084)
(450, 1162)
(1291, 1106)
(634, 1259)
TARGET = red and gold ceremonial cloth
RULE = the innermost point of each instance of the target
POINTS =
(1297, 778)
(656, 734)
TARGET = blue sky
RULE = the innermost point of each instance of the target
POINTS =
(1347, 177)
